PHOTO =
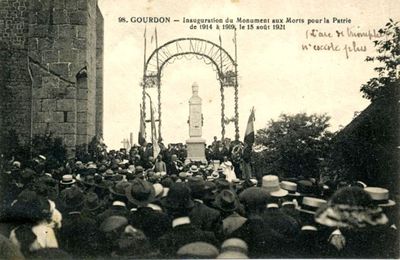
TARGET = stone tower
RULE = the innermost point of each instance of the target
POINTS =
(51, 70)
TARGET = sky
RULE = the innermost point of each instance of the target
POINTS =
(276, 74)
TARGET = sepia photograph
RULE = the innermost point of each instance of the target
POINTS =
(187, 129)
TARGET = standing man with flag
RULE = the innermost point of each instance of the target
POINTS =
(248, 146)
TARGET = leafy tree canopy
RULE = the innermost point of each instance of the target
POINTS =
(389, 58)
(295, 145)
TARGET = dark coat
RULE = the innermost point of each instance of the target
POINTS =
(78, 235)
(270, 235)
(258, 236)
(153, 223)
(206, 218)
(281, 223)
(374, 242)
(172, 168)
(181, 235)
(313, 244)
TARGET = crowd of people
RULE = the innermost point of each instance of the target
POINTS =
(128, 204)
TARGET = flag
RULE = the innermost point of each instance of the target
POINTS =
(154, 139)
(249, 135)
(141, 136)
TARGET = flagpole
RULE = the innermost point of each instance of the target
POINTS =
(158, 87)
(221, 79)
(236, 93)
(144, 82)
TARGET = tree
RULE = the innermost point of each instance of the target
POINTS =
(295, 145)
(389, 57)
(51, 147)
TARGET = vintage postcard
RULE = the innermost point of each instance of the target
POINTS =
(199, 129)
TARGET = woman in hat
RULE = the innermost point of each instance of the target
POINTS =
(362, 223)
(34, 232)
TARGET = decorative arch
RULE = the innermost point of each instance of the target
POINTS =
(211, 53)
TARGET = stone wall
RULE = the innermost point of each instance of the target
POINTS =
(51, 67)
(15, 83)
(99, 71)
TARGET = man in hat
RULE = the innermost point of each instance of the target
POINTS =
(262, 240)
(279, 223)
(202, 216)
(92, 205)
(228, 204)
(77, 229)
(152, 222)
(179, 204)
(312, 239)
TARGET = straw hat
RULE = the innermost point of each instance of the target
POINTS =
(270, 183)
(193, 169)
(67, 179)
(197, 250)
(380, 196)
(234, 245)
(310, 205)
(291, 187)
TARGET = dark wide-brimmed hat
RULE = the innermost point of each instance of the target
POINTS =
(92, 202)
(254, 197)
(140, 192)
(197, 185)
(351, 207)
(178, 197)
(73, 198)
(227, 201)
(222, 184)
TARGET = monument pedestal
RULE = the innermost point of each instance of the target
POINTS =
(196, 150)
(196, 146)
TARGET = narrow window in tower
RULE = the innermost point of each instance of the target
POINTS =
(65, 116)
